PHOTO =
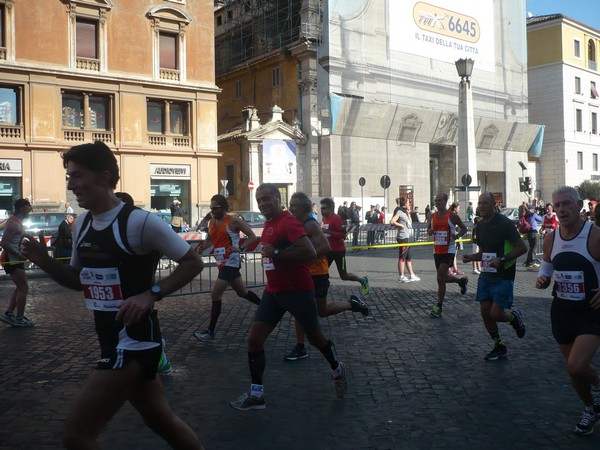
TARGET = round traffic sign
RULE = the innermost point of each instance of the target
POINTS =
(466, 180)
(362, 181)
(250, 185)
(385, 182)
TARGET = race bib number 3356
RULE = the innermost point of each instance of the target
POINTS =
(101, 288)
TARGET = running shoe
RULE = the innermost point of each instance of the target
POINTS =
(340, 381)
(450, 272)
(476, 271)
(596, 398)
(458, 272)
(535, 265)
(527, 264)
(463, 285)
(247, 401)
(296, 353)
(359, 305)
(8, 318)
(164, 365)
(364, 285)
(517, 323)
(413, 277)
(205, 336)
(436, 312)
(586, 424)
(499, 351)
(23, 322)
(403, 279)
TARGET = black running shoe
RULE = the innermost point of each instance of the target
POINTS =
(359, 305)
(517, 323)
(463, 285)
(586, 424)
(499, 351)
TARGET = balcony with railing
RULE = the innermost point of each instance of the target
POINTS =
(169, 74)
(88, 64)
(11, 131)
(163, 140)
(74, 135)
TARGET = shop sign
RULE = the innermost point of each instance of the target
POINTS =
(11, 168)
(171, 171)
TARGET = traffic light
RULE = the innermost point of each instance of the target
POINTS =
(527, 183)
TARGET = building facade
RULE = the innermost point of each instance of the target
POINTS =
(135, 74)
(374, 88)
(563, 75)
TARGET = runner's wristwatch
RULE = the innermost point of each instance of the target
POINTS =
(502, 259)
(157, 292)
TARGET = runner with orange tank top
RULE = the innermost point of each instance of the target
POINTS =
(300, 207)
(224, 236)
(442, 226)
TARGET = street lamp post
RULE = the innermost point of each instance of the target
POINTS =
(466, 154)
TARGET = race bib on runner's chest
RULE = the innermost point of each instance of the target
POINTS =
(101, 288)
(569, 285)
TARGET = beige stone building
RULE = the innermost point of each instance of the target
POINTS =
(135, 74)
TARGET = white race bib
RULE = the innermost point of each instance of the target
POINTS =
(268, 263)
(440, 237)
(485, 262)
(219, 254)
(569, 285)
(101, 288)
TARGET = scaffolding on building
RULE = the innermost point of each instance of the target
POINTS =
(249, 29)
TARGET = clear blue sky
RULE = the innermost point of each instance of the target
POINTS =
(584, 11)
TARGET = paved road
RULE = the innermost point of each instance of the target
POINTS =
(415, 382)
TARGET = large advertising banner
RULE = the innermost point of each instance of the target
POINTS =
(445, 30)
(279, 162)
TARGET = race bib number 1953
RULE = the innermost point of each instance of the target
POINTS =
(101, 288)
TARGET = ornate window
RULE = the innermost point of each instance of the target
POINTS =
(168, 43)
(11, 112)
(87, 116)
(168, 122)
(87, 34)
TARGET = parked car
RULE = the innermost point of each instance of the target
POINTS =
(252, 218)
(511, 213)
(47, 222)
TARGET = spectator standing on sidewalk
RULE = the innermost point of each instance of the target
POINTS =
(113, 264)
(335, 233)
(287, 253)
(500, 245)
(64, 240)
(403, 224)
(572, 259)
(532, 236)
(442, 226)
(176, 216)
(455, 208)
(224, 235)
(319, 271)
(354, 218)
(14, 265)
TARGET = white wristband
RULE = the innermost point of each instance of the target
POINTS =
(546, 269)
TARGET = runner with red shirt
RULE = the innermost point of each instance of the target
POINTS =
(286, 255)
(335, 233)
